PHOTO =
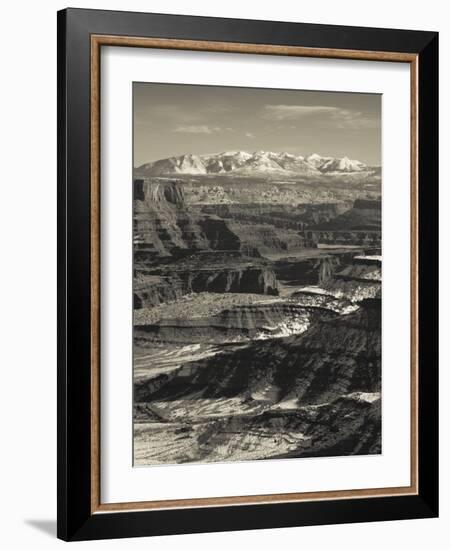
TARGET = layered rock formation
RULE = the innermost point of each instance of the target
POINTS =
(311, 270)
(365, 215)
(238, 324)
(257, 325)
(153, 290)
(359, 281)
(284, 216)
(358, 226)
(335, 356)
(168, 237)
(162, 224)
(308, 381)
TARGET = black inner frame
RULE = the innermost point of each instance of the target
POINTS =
(75, 521)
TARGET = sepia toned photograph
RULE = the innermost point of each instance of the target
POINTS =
(247, 274)
(256, 274)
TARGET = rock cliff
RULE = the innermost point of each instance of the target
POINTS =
(316, 393)
(335, 356)
(168, 236)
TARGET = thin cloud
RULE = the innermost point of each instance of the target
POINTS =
(322, 114)
(197, 129)
(249, 135)
(144, 116)
(201, 129)
(287, 112)
(178, 114)
(354, 120)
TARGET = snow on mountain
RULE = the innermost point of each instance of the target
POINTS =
(261, 162)
(317, 160)
(225, 162)
(243, 163)
(298, 164)
(186, 164)
(343, 165)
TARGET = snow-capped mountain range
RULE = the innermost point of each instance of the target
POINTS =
(243, 163)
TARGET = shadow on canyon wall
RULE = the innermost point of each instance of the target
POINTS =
(257, 327)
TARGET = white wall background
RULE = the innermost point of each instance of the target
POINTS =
(28, 272)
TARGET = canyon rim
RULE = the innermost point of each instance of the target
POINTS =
(256, 274)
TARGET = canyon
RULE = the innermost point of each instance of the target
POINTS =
(257, 320)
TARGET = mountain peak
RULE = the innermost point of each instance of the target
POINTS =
(258, 162)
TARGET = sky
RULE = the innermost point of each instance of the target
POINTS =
(176, 119)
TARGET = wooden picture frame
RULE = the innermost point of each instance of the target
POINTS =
(81, 35)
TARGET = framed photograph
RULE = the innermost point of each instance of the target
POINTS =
(247, 274)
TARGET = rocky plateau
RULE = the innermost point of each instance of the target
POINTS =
(257, 320)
